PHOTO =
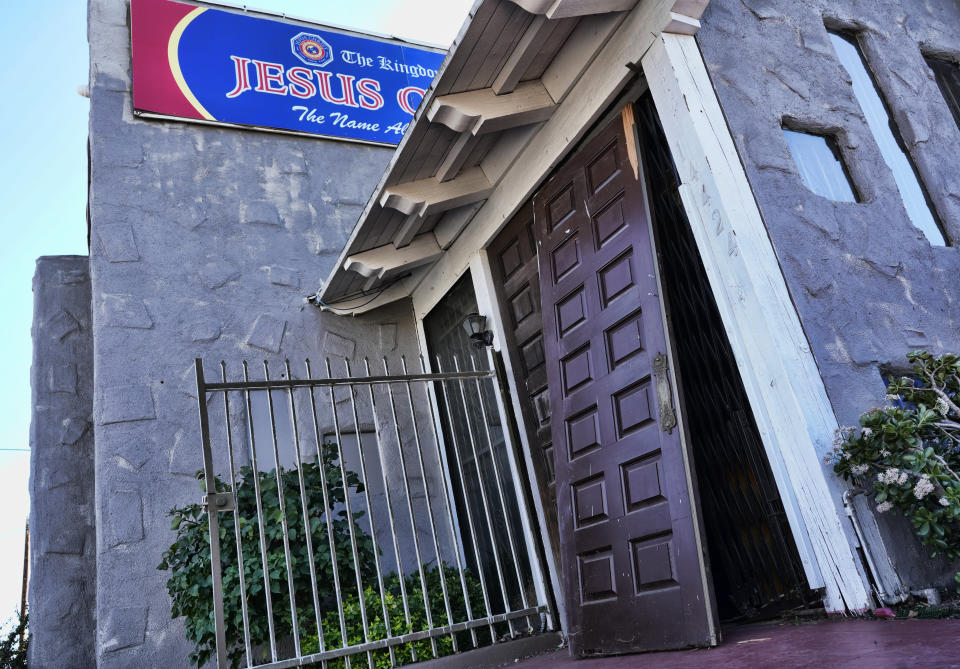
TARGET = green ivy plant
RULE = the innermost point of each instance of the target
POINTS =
(188, 558)
(909, 451)
(14, 643)
(374, 605)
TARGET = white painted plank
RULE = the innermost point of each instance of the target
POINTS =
(692, 8)
(477, 64)
(483, 111)
(526, 49)
(578, 51)
(780, 375)
(682, 24)
(459, 52)
(458, 154)
(429, 196)
(560, 9)
(363, 303)
(386, 261)
(549, 47)
(452, 223)
(506, 150)
(409, 229)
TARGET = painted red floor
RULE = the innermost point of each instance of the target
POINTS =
(865, 644)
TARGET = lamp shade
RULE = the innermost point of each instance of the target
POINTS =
(474, 324)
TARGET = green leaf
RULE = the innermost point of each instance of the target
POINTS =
(187, 559)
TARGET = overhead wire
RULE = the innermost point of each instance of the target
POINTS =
(315, 298)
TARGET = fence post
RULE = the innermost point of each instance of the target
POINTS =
(214, 503)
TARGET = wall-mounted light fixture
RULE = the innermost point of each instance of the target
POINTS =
(476, 327)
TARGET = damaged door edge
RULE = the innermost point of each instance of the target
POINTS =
(678, 421)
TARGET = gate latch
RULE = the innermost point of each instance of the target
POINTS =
(668, 418)
(221, 501)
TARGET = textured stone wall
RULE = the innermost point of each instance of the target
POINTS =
(204, 243)
(63, 545)
(867, 284)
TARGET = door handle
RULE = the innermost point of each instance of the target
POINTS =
(668, 417)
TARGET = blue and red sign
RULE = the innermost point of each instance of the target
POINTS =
(201, 63)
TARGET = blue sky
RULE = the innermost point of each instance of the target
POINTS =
(43, 174)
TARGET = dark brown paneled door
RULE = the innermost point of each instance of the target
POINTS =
(630, 542)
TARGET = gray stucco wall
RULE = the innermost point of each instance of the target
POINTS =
(204, 243)
(63, 545)
(867, 284)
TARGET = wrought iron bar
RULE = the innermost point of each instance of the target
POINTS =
(262, 535)
(500, 494)
(413, 524)
(535, 554)
(461, 567)
(307, 529)
(366, 494)
(389, 497)
(278, 472)
(405, 638)
(483, 495)
(236, 522)
(426, 492)
(350, 521)
(466, 503)
(328, 516)
(292, 648)
(314, 383)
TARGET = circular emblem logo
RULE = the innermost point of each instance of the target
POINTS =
(311, 49)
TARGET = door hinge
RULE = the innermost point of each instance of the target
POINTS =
(668, 417)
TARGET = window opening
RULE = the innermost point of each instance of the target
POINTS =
(821, 169)
(878, 118)
(948, 79)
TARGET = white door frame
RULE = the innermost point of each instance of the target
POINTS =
(789, 401)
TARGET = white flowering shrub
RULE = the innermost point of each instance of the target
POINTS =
(909, 451)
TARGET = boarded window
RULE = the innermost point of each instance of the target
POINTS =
(818, 162)
(948, 79)
(875, 110)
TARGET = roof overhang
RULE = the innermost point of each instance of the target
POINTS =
(506, 85)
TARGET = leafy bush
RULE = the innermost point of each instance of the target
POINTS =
(13, 651)
(910, 451)
(405, 653)
(188, 558)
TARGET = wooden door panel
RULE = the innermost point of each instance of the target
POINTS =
(629, 541)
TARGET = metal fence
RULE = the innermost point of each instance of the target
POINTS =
(363, 520)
